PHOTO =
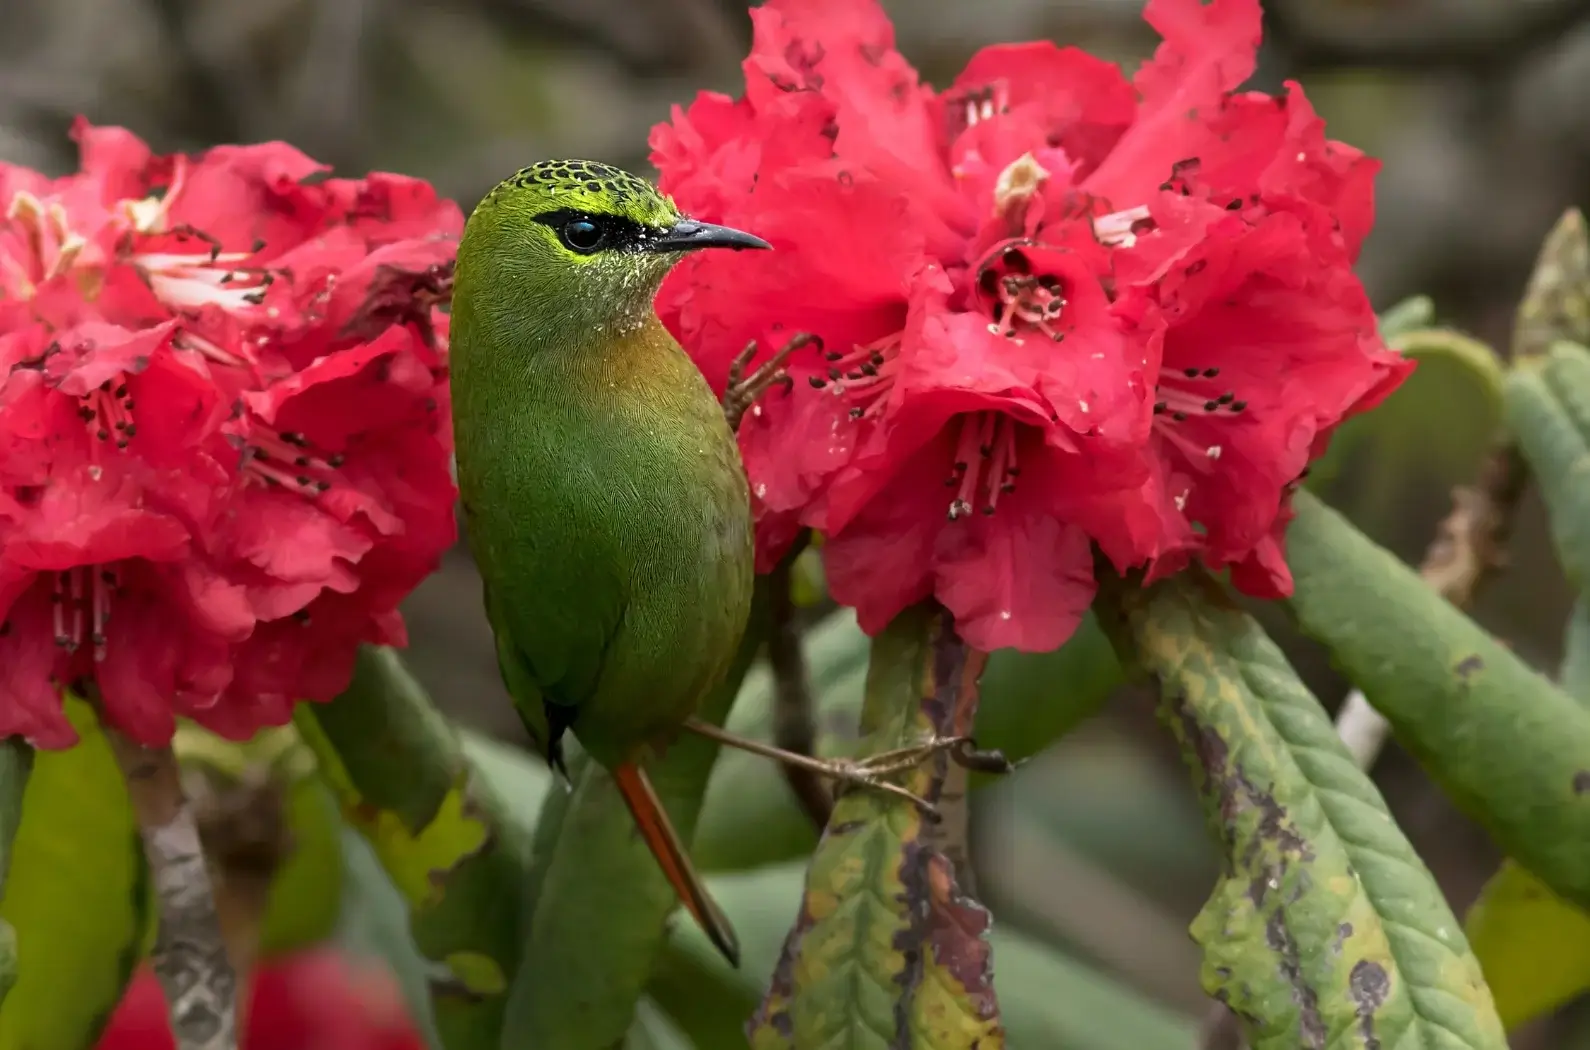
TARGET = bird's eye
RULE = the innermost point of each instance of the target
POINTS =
(582, 235)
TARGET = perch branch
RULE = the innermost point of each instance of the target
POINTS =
(189, 956)
(794, 715)
(243, 827)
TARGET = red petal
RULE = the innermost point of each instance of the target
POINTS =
(1208, 50)
(30, 705)
(1079, 103)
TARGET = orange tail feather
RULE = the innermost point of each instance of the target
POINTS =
(663, 841)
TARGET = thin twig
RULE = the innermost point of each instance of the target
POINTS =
(243, 826)
(189, 956)
(794, 716)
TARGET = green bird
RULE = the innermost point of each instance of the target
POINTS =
(604, 496)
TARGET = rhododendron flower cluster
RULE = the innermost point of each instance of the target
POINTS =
(224, 446)
(314, 1000)
(1059, 310)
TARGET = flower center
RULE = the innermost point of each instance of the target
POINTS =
(107, 412)
(80, 599)
(1021, 301)
(985, 466)
(288, 460)
(863, 376)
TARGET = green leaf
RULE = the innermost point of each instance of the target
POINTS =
(402, 781)
(597, 902)
(1456, 391)
(1326, 929)
(1046, 998)
(1534, 946)
(1416, 311)
(1548, 410)
(1556, 302)
(886, 951)
(1452, 693)
(1028, 701)
(77, 895)
(1575, 673)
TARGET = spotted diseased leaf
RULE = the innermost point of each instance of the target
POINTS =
(1451, 692)
(404, 784)
(1326, 930)
(887, 951)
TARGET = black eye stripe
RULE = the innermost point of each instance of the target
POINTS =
(617, 232)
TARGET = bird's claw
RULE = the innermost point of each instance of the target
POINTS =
(742, 390)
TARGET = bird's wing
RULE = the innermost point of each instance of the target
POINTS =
(553, 636)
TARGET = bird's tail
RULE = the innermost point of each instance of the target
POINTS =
(658, 831)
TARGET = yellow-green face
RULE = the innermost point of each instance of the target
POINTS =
(595, 240)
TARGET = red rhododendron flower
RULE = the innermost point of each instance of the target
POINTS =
(1057, 308)
(311, 1001)
(223, 437)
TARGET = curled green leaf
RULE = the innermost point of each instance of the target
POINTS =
(1451, 692)
(886, 951)
(1326, 929)
(403, 782)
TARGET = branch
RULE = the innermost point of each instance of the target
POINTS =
(1417, 37)
(1469, 545)
(189, 956)
(794, 717)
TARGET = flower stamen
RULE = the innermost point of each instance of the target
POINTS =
(985, 462)
(863, 376)
(1121, 229)
(286, 459)
(71, 607)
(107, 412)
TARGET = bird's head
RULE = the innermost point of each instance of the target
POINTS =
(586, 239)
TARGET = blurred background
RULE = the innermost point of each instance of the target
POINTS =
(1477, 108)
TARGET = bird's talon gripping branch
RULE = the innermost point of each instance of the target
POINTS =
(742, 390)
(866, 773)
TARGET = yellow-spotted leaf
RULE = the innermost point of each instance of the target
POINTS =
(1326, 929)
(886, 951)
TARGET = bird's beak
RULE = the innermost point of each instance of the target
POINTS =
(687, 235)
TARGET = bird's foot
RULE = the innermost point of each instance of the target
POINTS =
(872, 772)
(743, 390)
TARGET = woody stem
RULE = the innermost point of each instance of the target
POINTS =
(190, 957)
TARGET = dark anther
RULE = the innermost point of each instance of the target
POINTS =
(1210, 406)
(817, 382)
(1160, 406)
(1210, 373)
(1227, 398)
(1238, 406)
(1190, 373)
(1180, 417)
